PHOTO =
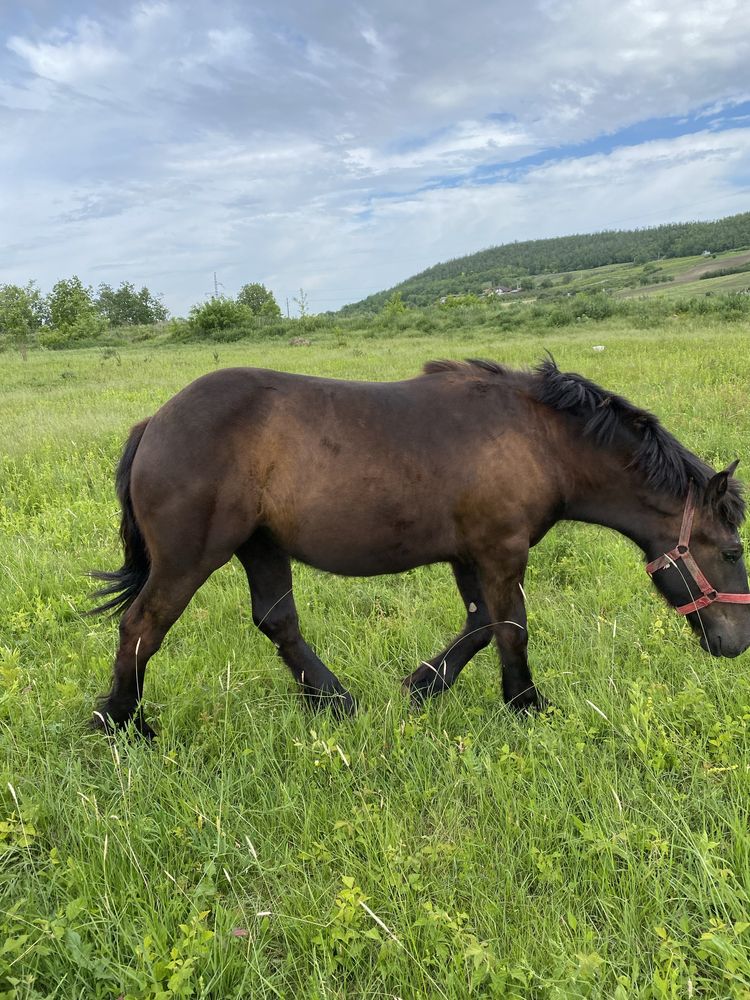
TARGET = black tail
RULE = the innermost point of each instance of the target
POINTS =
(128, 581)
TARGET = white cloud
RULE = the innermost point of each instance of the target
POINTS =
(68, 58)
(341, 151)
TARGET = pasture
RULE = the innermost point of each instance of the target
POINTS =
(600, 849)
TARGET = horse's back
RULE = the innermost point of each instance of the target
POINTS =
(355, 477)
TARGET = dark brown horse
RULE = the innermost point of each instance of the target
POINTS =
(469, 463)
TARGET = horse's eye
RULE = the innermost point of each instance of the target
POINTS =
(731, 555)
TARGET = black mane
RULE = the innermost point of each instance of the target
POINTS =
(467, 367)
(667, 465)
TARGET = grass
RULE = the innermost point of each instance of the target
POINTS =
(601, 850)
(677, 273)
(723, 284)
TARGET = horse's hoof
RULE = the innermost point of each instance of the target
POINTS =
(143, 729)
(417, 696)
(340, 703)
(343, 705)
(424, 683)
(98, 723)
(529, 703)
(420, 694)
(102, 723)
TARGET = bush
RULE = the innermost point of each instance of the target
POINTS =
(594, 306)
(392, 310)
(648, 313)
(721, 272)
(459, 301)
(425, 322)
(314, 321)
(561, 315)
(218, 315)
(85, 329)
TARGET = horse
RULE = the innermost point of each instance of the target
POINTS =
(469, 463)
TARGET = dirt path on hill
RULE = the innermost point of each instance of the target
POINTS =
(698, 270)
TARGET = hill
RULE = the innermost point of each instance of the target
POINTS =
(512, 264)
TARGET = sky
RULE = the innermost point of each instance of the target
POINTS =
(339, 148)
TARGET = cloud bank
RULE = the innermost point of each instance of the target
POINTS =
(340, 149)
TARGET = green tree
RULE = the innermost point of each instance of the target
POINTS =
(73, 313)
(217, 314)
(127, 307)
(258, 299)
(21, 315)
(393, 307)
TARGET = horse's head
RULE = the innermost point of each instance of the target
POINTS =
(703, 576)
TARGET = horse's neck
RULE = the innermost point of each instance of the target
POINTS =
(618, 499)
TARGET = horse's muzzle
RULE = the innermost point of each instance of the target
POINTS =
(718, 645)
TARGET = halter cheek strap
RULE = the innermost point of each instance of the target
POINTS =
(682, 551)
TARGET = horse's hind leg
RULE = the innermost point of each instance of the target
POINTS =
(142, 629)
(269, 574)
(436, 675)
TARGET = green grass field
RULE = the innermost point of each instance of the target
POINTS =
(600, 850)
(622, 280)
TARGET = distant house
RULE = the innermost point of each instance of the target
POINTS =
(706, 253)
(502, 290)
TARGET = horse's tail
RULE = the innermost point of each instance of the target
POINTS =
(124, 585)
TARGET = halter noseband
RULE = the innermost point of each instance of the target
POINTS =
(682, 551)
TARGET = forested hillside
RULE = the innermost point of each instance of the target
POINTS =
(510, 263)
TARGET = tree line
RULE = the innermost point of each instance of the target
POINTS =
(74, 313)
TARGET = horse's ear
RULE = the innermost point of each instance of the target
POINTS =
(717, 485)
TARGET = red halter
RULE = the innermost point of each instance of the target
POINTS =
(682, 551)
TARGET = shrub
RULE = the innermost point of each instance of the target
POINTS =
(425, 322)
(561, 315)
(459, 301)
(218, 315)
(85, 329)
(392, 309)
(594, 306)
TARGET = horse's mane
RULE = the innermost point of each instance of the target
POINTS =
(667, 465)
(471, 365)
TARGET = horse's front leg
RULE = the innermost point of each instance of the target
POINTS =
(502, 585)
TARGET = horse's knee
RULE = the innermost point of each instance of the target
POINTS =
(484, 635)
(281, 627)
(479, 632)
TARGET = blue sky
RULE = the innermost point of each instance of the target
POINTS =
(340, 148)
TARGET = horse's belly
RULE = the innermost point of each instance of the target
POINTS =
(373, 563)
(350, 549)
